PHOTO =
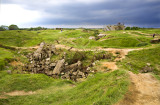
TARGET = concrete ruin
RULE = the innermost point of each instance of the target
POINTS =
(119, 26)
(101, 35)
(155, 41)
(40, 62)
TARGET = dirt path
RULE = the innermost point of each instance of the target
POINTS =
(16, 93)
(110, 65)
(19, 93)
(3, 97)
(144, 90)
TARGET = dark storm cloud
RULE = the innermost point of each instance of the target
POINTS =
(132, 12)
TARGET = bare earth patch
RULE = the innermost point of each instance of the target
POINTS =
(3, 97)
(20, 93)
(16, 63)
(144, 90)
(110, 65)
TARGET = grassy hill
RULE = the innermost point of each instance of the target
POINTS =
(75, 38)
(101, 88)
(137, 60)
(5, 57)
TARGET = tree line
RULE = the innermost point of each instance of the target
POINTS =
(15, 27)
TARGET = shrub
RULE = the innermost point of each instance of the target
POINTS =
(142, 44)
(13, 27)
(132, 28)
(2, 29)
(128, 28)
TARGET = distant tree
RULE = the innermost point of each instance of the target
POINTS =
(2, 29)
(36, 28)
(13, 27)
(135, 28)
(128, 28)
(132, 28)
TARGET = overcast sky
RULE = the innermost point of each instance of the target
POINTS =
(30, 13)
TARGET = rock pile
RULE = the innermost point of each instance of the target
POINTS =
(40, 62)
(155, 41)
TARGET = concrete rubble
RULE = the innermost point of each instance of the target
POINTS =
(40, 62)
(155, 41)
(101, 35)
(92, 38)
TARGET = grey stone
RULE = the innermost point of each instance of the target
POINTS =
(92, 37)
(59, 67)
(9, 71)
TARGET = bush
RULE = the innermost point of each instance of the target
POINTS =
(135, 28)
(2, 29)
(36, 28)
(142, 44)
(132, 28)
(13, 27)
(128, 28)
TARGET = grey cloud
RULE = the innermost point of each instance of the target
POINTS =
(134, 12)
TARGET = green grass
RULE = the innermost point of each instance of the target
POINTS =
(19, 38)
(5, 56)
(50, 36)
(98, 89)
(150, 31)
(136, 60)
(86, 57)
(157, 76)
(74, 38)
(116, 42)
(26, 82)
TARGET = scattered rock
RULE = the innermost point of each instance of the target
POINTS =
(92, 37)
(146, 69)
(9, 71)
(101, 35)
(148, 64)
(155, 41)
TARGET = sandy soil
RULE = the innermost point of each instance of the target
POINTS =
(16, 63)
(144, 90)
(19, 93)
(16, 93)
(110, 65)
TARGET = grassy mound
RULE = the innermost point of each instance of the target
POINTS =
(118, 42)
(99, 89)
(5, 56)
(19, 38)
(124, 42)
(26, 82)
(136, 60)
(74, 38)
